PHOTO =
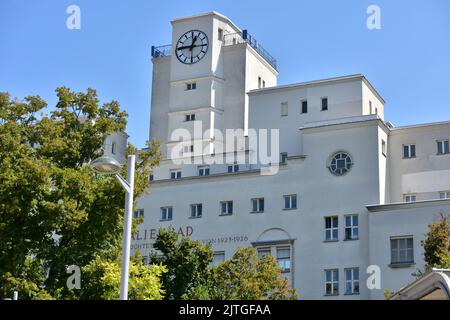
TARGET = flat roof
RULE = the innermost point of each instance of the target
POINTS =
(211, 13)
(406, 205)
(352, 77)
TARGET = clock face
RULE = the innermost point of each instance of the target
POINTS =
(192, 47)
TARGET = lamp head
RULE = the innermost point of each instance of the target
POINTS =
(105, 165)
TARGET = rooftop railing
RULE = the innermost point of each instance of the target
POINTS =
(245, 37)
(161, 51)
(228, 40)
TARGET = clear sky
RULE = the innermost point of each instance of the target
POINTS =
(407, 60)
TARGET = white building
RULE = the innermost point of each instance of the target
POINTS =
(352, 190)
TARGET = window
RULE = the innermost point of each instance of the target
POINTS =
(283, 157)
(332, 282)
(444, 195)
(324, 104)
(203, 171)
(191, 86)
(233, 168)
(443, 147)
(351, 227)
(188, 149)
(409, 151)
(352, 281)
(226, 208)
(376, 111)
(264, 84)
(175, 174)
(151, 177)
(331, 228)
(383, 147)
(258, 205)
(166, 213)
(284, 109)
(113, 148)
(340, 163)
(263, 251)
(190, 117)
(409, 197)
(138, 213)
(402, 250)
(196, 210)
(218, 257)
(220, 34)
(290, 201)
(304, 106)
(259, 82)
(370, 107)
(284, 258)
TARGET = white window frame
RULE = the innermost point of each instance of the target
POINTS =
(284, 262)
(284, 109)
(138, 213)
(384, 147)
(333, 230)
(175, 174)
(354, 283)
(258, 202)
(283, 157)
(166, 213)
(443, 146)
(189, 117)
(322, 99)
(333, 282)
(304, 101)
(234, 168)
(191, 86)
(291, 201)
(203, 171)
(228, 208)
(216, 254)
(196, 210)
(444, 195)
(409, 154)
(353, 227)
(410, 197)
(398, 251)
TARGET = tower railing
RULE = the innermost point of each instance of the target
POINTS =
(245, 37)
(161, 51)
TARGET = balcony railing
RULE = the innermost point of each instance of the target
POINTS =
(245, 37)
(162, 51)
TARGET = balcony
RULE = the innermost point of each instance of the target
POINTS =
(245, 37)
(161, 51)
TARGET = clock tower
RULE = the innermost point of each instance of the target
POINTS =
(202, 78)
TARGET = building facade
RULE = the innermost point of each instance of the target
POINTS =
(351, 194)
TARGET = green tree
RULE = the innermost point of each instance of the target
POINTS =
(187, 262)
(437, 244)
(54, 210)
(244, 277)
(101, 280)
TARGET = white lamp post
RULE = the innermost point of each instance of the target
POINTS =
(108, 165)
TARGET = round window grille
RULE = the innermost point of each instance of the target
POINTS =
(340, 163)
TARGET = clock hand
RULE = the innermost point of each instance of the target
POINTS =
(193, 43)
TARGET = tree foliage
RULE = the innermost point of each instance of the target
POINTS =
(101, 280)
(437, 244)
(54, 210)
(245, 277)
(187, 261)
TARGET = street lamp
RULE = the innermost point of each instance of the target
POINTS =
(109, 165)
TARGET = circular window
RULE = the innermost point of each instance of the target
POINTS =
(340, 163)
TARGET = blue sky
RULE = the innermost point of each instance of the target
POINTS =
(408, 60)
